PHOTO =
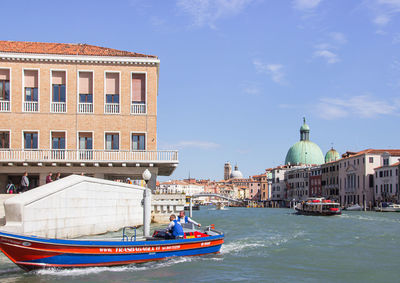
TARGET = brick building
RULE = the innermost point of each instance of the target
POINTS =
(78, 108)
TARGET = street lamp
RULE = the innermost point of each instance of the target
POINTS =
(147, 204)
(146, 176)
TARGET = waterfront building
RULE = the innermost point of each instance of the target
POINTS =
(78, 108)
(387, 179)
(279, 185)
(315, 181)
(304, 151)
(297, 180)
(330, 180)
(262, 182)
(180, 187)
(356, 175)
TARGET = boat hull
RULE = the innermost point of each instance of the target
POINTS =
(318, 213)
(36, 253)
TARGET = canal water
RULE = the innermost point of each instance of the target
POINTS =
(264, 244)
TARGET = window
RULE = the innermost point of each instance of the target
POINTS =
(85, 92)
(85, 146)
(138, 94)
(58, 140)
(31, 94)
(58, 145)
(371, 160)
(31, 140)
(4, 85)
(385, 162)
(4, 139)
(58, 83)
(138, 142)
(112, 87)
(31, 83)
(112, 141)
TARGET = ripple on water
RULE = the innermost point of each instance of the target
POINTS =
(251, 243)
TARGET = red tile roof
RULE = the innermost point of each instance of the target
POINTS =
(64, 49)
(392, 152)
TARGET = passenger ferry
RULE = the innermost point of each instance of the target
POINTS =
(319, 207)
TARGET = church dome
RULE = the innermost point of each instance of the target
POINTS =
(304, 151)
(332, 155)
(236, 174)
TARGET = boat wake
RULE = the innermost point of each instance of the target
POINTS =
(370, 218)
(256, 243)
(128, 268)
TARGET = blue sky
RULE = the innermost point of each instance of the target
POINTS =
(237, 76)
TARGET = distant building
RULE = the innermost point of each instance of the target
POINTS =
(180, 187)
(387, 179)
(356, 174)
(304, 151)
(227, 171)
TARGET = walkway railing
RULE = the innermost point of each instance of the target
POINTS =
(138, 108)
(58, 107)
(31, 106)
(111, 108)
(4, 106)
(85, 107)
(64, 155)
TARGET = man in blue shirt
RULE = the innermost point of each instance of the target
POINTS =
(184, 219)
(175, 230)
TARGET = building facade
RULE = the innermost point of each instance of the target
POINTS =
(78, 108)
(387, 179)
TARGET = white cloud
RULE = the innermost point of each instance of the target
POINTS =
(197, 144)
(383, 10)
(382, 20)
(338, 38)
(363, 106)
(306, 5)
(251, 88)
(275, 71)
(207, 12)
(329, 56)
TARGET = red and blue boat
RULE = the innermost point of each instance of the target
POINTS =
(30, 252)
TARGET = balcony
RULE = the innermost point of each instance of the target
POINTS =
(85, 107)
(138, 108)
(87, 156)
(31, 106)
(58, 107)
(111, 108)
(4, 106)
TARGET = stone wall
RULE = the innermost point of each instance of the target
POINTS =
(74, 206)
(163, 205)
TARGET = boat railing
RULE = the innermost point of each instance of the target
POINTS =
(125, 237)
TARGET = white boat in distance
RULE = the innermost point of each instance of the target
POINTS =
(355, 207)
(388, 207)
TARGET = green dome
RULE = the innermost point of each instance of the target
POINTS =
(304, 152)
(332, 155)
(305, 127)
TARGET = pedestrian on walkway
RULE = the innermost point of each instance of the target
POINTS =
(48, 178)
(24, 182)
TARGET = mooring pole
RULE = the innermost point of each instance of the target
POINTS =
(190, 207)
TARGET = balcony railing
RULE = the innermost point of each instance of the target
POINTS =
(95, 156)
(138, 108)
(31, 106)
(111, 108)
(85, 107)
(4, 106)
(58, 107)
